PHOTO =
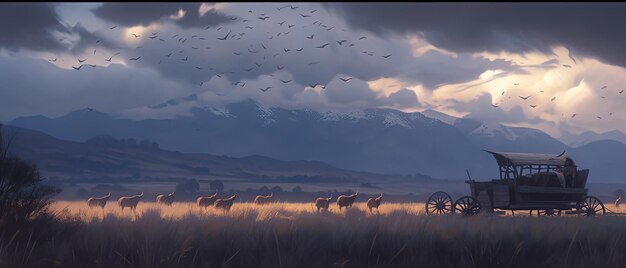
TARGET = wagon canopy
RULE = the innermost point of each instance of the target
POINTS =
(520, 159)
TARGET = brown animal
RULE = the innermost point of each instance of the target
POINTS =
(206, 201)
(263, 199)
(225, 203)
(98, 202)
(165, 199)
(323, 203)
(129, 201)
(346, 200)
(374, 202)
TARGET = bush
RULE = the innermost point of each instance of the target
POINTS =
(189, 187)
(23, 196)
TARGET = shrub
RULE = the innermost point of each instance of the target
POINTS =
(23, 196)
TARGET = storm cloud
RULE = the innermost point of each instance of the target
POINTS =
(132, 14)
(37, 26)
(588, 29)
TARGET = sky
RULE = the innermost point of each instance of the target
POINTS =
(474, 60)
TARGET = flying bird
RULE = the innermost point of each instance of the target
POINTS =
(258, 64)
(515, 84)
(264, 18)
(621, 91)
(248, 70)
(322, 46)
(236, 53)
(225, 37)
(281, 23)
(573, 115)
(304, 16)
(300, 49)
(293, 7)
(525, 98)
(111, 28)
(598, 117)
(81, 61)
(386, 56)
(54, 60)
(553, 98)
(603, 87)
(265, 89)
(346, 79)
(341, 42)
(279, 67)
(362, 37)
(310, 37)
(77, 68)
(533, 106)
(135, 35)
(284, 81)
(137, 58)
(249, 27)
(290, 25)
(185, 59)
(567, 66)
(315, 62)
(494, 106)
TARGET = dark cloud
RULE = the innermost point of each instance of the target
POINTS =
(132, 14)
(29, 26)
(403, 98)
(589, 29)
(480, 108)
(34, 25)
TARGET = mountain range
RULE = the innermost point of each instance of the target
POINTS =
(372, 140)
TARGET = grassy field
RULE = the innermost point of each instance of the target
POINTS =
(292, 235)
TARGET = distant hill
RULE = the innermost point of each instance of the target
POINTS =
(107, 158)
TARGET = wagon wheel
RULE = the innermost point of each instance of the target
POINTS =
(590, 206)
(467, 205)
(551, 212)
(439, 203)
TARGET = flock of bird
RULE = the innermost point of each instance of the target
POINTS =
(553, 98)
(268, 48)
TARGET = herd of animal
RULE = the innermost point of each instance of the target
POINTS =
(203, 202)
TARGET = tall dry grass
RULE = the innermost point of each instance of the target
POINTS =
(292, 235)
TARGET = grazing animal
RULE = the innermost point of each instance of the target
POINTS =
(98, 202)
(346, 200)
(206, 201)
(225, 203)
(129, 201)
(322, 203)
(165, 199)
(263, 199)
(374, 202)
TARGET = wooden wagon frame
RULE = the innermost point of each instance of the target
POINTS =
(541, 183)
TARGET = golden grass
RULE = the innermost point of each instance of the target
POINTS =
(178, 210)
(292, 235)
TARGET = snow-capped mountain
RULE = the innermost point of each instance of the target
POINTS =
(577, 140)
(374, 140)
